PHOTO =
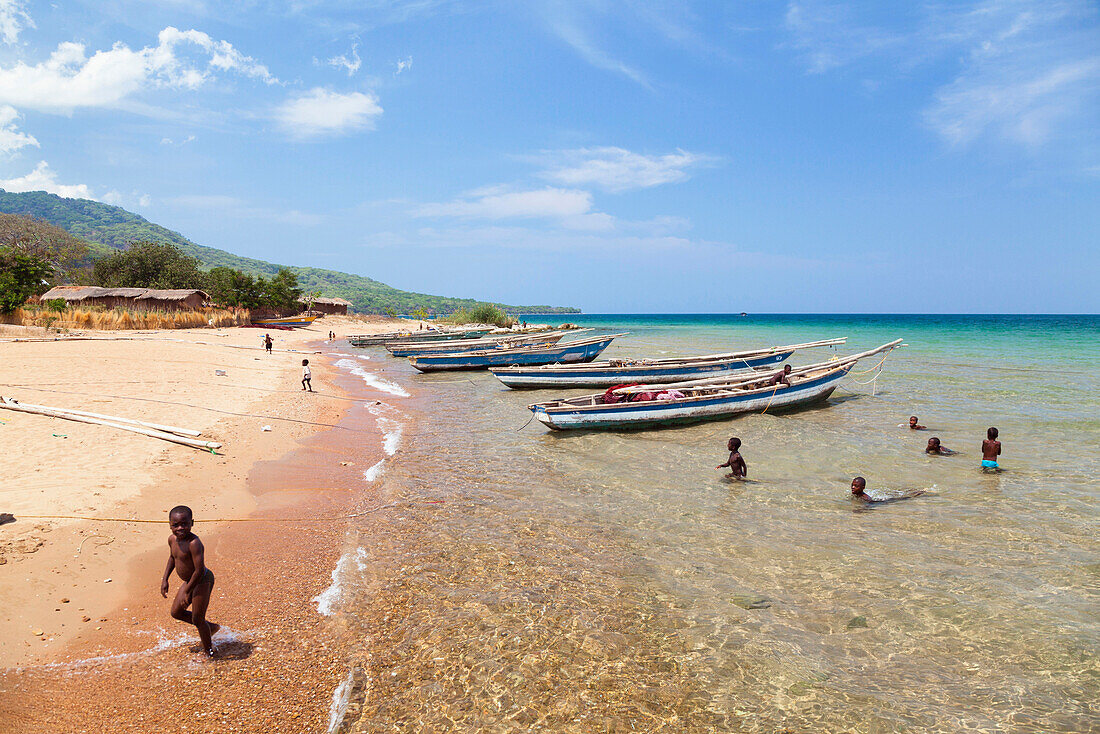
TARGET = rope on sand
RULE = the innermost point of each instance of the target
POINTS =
(228, 519)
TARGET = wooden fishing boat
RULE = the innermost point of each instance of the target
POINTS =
(699, 400)
(286, 321)
(650, 371)
(434, 335)
(581, 350)
(493, 341)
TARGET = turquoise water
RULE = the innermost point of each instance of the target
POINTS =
(533, 580)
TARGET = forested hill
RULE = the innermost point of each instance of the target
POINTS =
(107, 228)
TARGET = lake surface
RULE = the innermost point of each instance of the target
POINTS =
(522, 579)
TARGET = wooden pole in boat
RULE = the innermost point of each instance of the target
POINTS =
(715, 383)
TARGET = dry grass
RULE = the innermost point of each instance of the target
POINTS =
(119, 319)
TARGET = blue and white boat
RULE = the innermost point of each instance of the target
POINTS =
(694, 401)
(650, 371)
(498, 341)
(581, 350)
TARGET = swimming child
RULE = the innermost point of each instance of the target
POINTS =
(187, 558)
(991, 449)
(935, 447)
(913, 426)
(859, 487)
(306, 376)
(738, 468)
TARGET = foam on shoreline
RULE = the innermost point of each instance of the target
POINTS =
(328, 599)
(372, 379)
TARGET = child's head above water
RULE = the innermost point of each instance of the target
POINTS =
(912, 420)
(991, 434)
(858, 485)
(933, 444)
(733, 444)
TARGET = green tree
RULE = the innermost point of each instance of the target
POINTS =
(229, 287)
(149, 265)
(21, 276)
(66, 254)
(282, 291)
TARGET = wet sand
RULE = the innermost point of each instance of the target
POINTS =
(278, 660)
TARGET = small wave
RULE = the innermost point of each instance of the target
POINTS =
(328, 599)
(375, 471)
(223, 635)
(391, 427)
(372, 379)
(340, 698)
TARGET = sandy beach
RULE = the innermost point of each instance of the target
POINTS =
(80, 566)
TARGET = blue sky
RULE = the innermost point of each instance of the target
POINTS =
(616, 155)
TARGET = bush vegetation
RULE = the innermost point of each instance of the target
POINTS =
(485, 313)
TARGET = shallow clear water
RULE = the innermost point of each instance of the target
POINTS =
(616, 581)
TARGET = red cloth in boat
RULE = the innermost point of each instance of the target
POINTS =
(611, 397)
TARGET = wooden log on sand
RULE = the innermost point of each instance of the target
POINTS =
(116, 419)
(13, 404)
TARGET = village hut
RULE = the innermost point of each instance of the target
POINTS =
(327, 305)
(143, 299)
(172, 300)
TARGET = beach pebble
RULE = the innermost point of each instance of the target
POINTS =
(86, 618)
(37, 633)
(64, 601)
(106, 581)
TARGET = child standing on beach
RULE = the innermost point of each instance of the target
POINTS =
(267, 343)
(738, 468)
(306, 376)
(186, 556)
(991, 449)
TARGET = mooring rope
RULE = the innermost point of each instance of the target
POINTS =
(226, 519)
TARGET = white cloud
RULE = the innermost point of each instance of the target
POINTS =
(70, 79)
(233, 207)
(322, 111)
(500, 203)
(13, 19)
(617, 169)
(403, 65)
(11, 139)
(180, 144)
(42, 178)
(1027, 70)
(349, 62)
(828, 36)
(1025, 107)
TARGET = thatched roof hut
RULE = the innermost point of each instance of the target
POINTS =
(173, 300)
(137, 298)
(327, 305)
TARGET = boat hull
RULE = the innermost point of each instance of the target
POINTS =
(652, 414)
(289, 321)
(585, 351)
(607, 376)
(367, 340)
(415, 350)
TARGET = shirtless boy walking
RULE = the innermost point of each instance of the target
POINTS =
(186, 557)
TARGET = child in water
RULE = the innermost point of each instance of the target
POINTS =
(859, 487)
(736, 463)
(186, 556)
(935, 447)
(913, 426)
(991, 449)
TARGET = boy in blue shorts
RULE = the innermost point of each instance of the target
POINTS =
(991, 449)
